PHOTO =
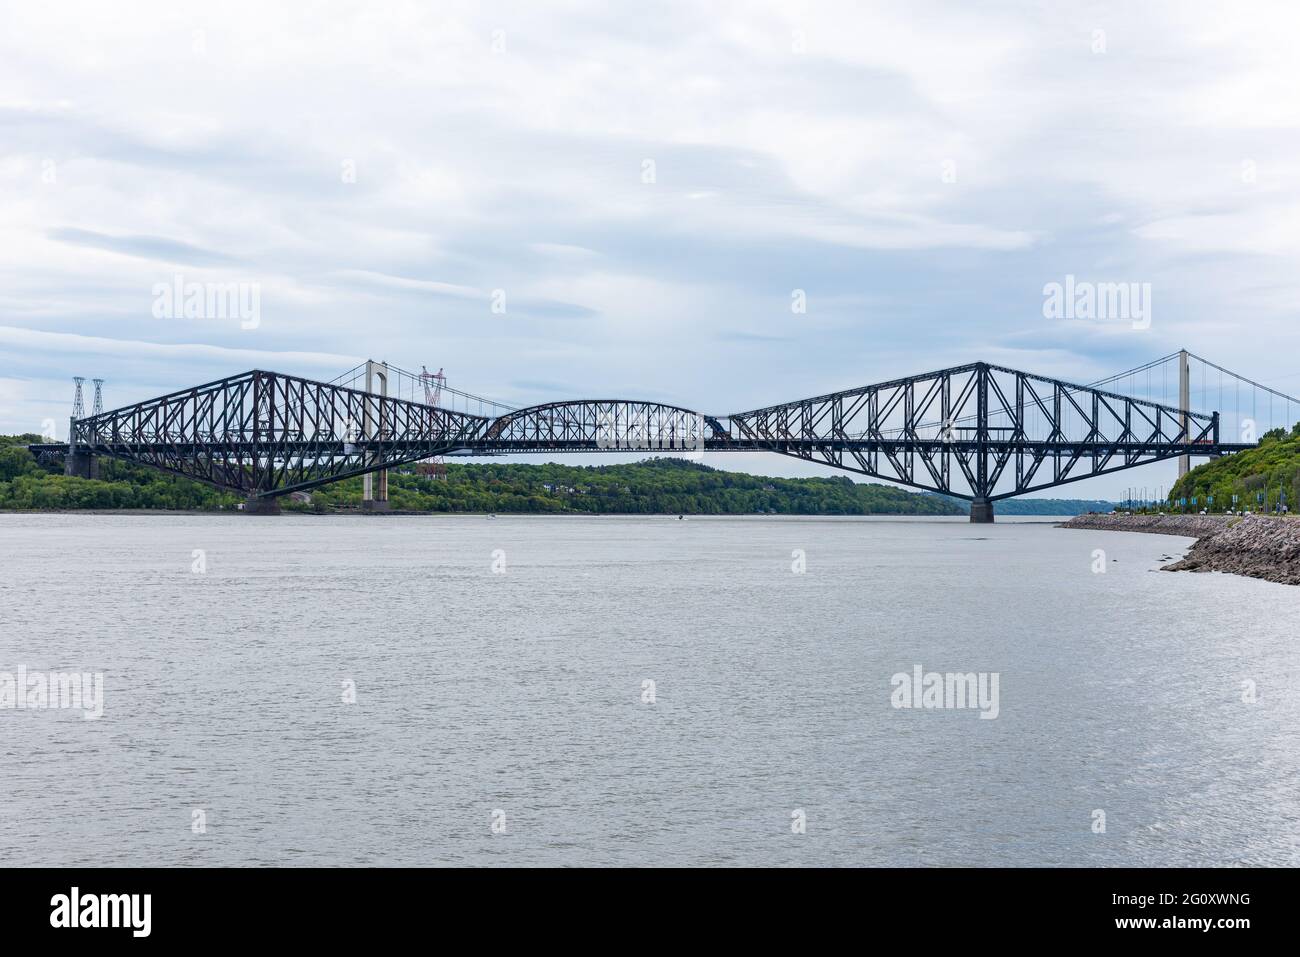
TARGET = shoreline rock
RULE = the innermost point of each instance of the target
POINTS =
(1256, 546)
(1190, 526)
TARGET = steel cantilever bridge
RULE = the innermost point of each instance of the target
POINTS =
(980, 432)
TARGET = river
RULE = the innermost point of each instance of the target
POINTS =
(638, 690)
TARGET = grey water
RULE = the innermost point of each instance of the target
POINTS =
(394, 690)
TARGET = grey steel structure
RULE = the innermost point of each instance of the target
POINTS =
(980, 432)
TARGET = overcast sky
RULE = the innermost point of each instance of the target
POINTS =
(643, 187)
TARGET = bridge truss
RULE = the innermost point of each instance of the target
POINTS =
(267, 434)
(981, 432)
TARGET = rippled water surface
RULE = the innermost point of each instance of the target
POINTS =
(521, 692)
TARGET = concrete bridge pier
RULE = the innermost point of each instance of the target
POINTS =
(262, 505)
(981, 510)
(374, 491)
(81, 464)
(76, 462)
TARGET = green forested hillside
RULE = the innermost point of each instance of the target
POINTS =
(26, 484)
(1260, 478)
(663, 486)
(652, 486)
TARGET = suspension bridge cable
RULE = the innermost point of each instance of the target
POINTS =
(413, 383)
(1248, 381)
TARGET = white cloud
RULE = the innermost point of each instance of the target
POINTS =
(67, 343)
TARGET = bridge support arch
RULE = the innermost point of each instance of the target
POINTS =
(981, 511)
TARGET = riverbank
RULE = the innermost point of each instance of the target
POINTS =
(1257, 546)
(1190, 526)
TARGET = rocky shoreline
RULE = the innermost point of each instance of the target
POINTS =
(1256, 546)
(1191, 526)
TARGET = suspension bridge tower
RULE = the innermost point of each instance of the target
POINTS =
(374, 485)
(1184, 404)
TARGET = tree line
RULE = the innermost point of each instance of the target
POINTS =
(653, 486)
